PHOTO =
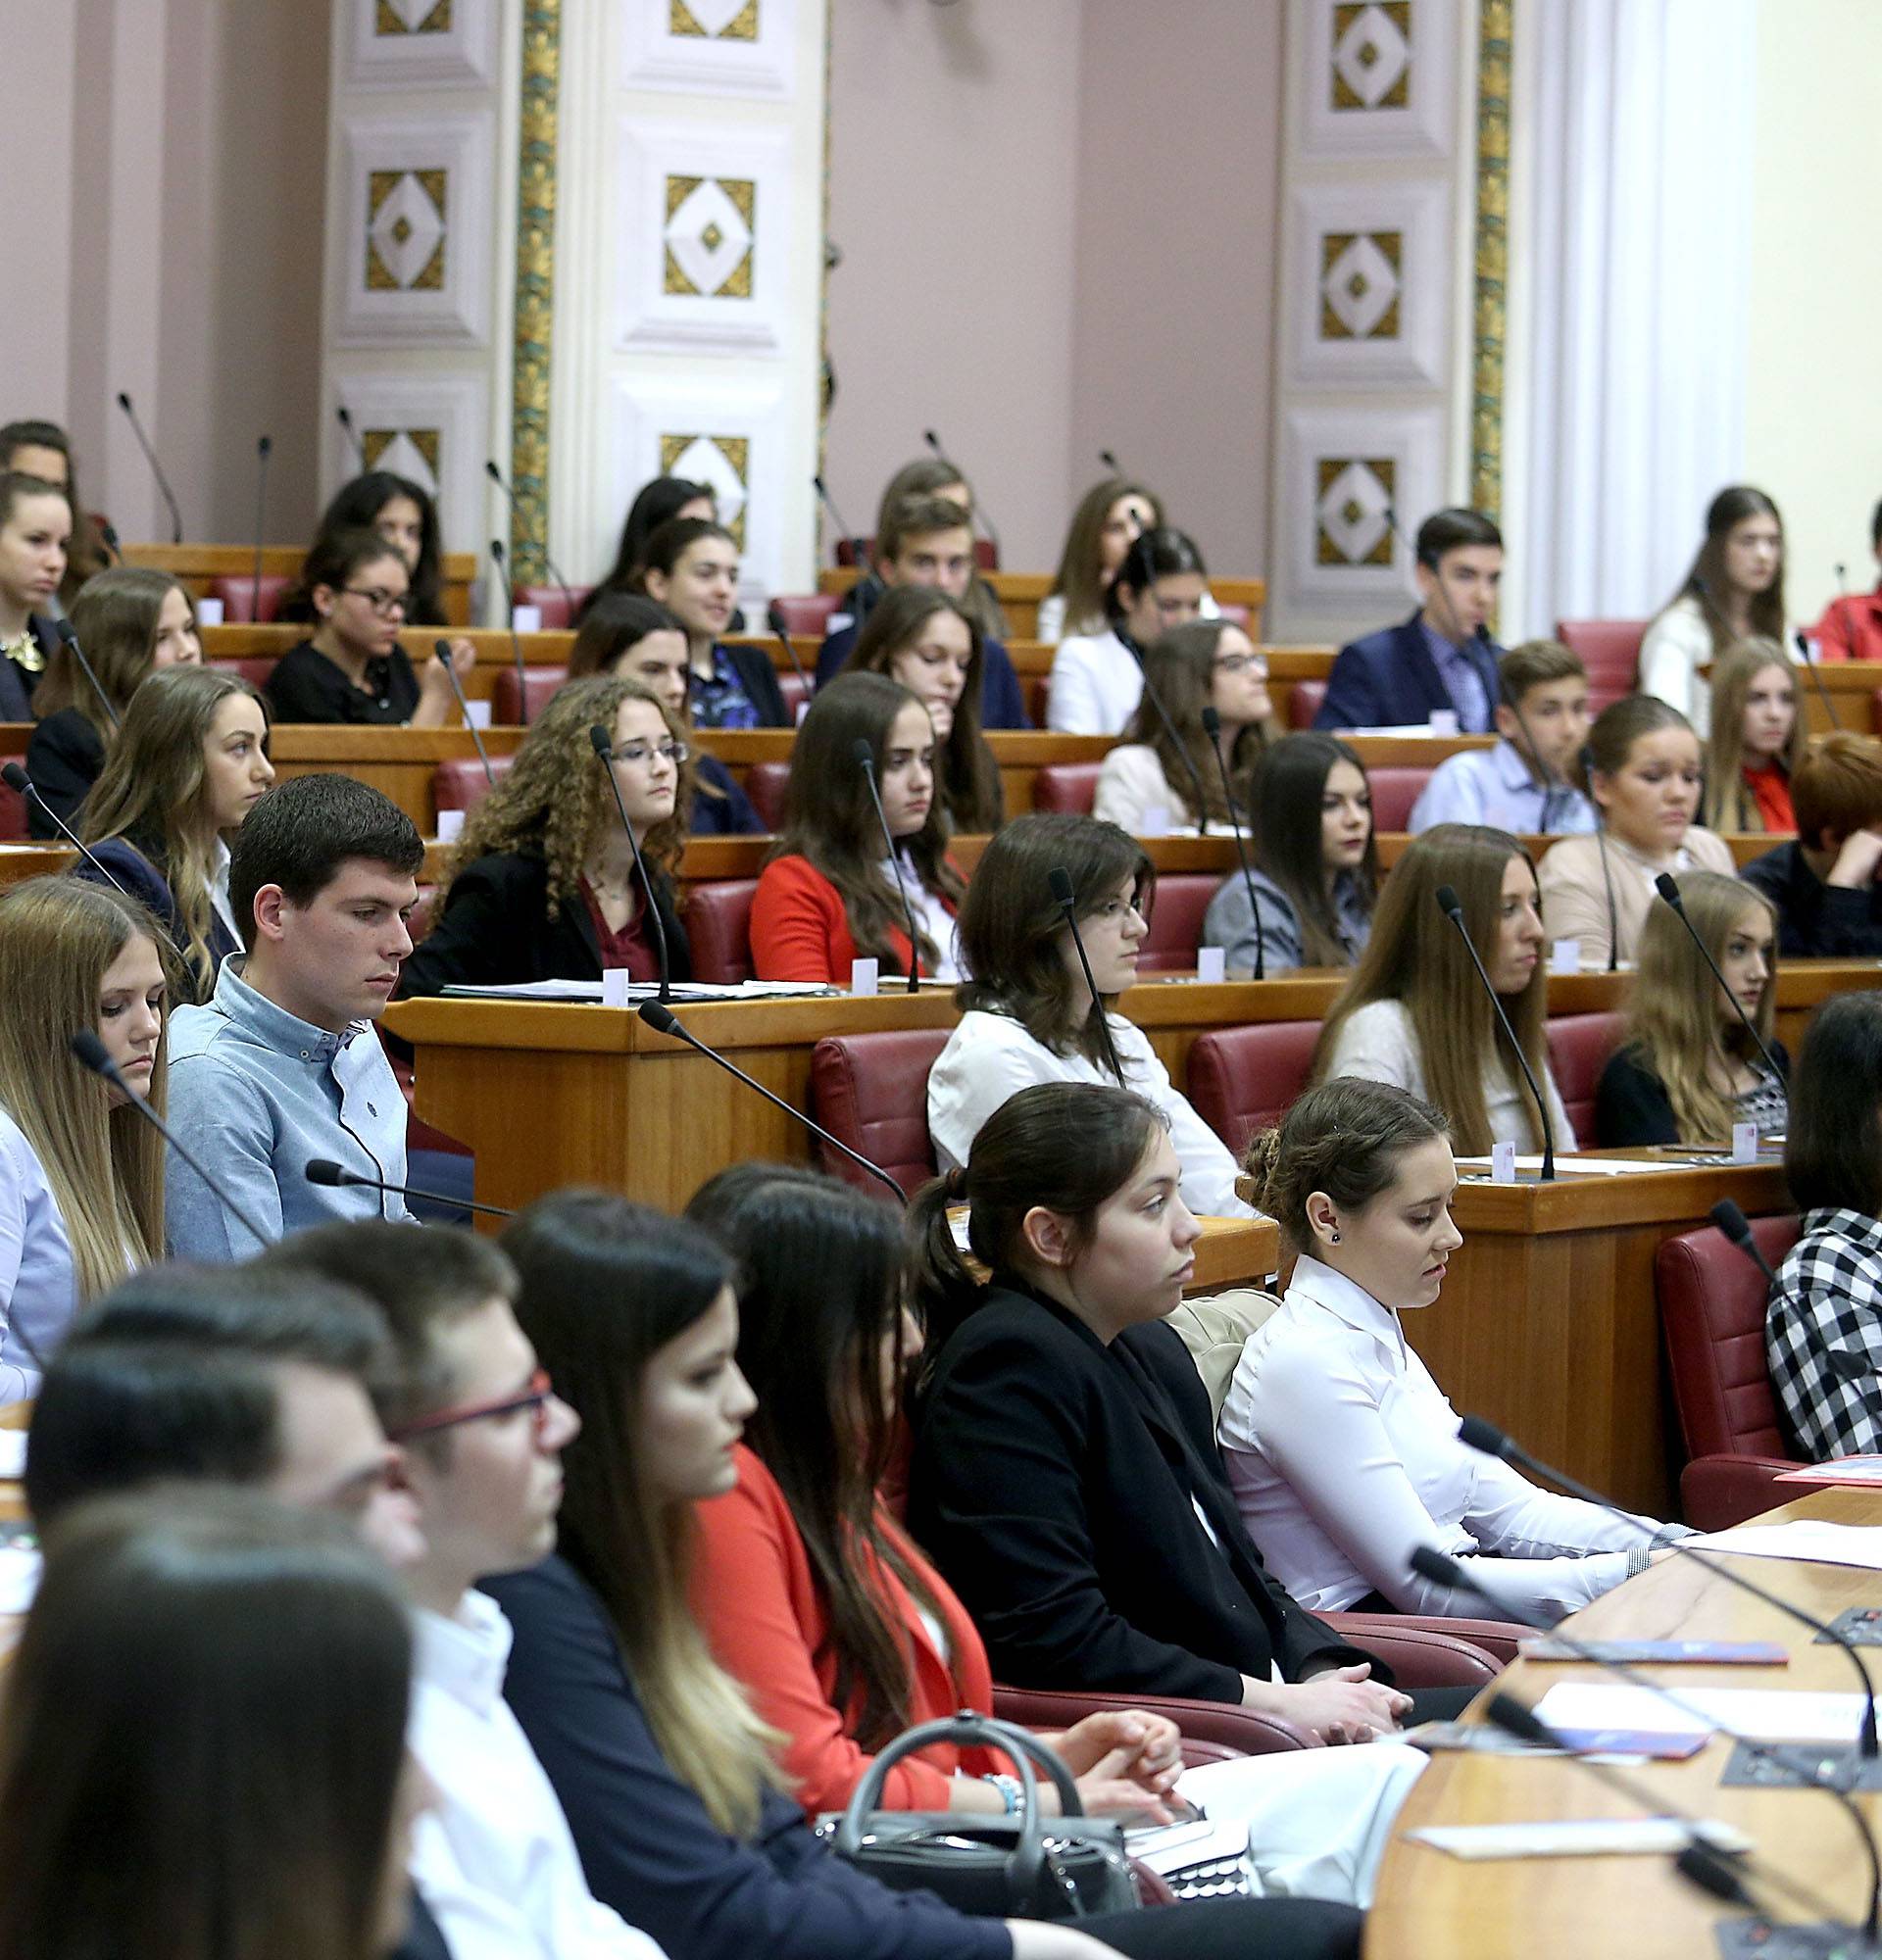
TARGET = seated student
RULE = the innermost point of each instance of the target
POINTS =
(662, 1765)
(44, 450)
(190, 761)
(927, 476)
(624, 633)
(206, 1738)
(829, 893)
(404, 515)
(82, 1174)
(1414, 1012)
(929, 541)
(690, 566)
(1827, 1301)
(1825, 884)
(1207, 664)
(131, 624)
(1029, 1016)
(353, 669)
(1342, 1451)
(1098, 680)
(35, 530)
(1735, 591)
(542, 885)
(1441, 659)
(1850, 628)
(281, 1064)
(655, 502)
(1544, 700)
(1642, 768)
(1757, 741)
(817, 1601)
(920, 637)
(1688, 1070)
(1314, 862)
(1110, 518)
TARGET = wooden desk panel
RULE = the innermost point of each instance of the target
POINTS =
(198, 566)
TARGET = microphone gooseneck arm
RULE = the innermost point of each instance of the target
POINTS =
(978, 511)
(1066, 899)
(1737, 1228)
(1607, 867)
(441, 651)
(68, 639)
(539, 538)
(1176, 742)
(1817, 678)
(604, 748)
(264, 449)
(865, 761)
(345, 418)
(1667, 886)
(499, 559)
(1510, 701)
(797, 665)
(332, 1176)
(156, 468)
(1212, 728)
(858, 544)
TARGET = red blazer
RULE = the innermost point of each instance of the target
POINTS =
(754, 1594)
(800, 930)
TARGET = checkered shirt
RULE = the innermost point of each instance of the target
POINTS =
(1828, 1295)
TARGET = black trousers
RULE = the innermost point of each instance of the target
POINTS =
(1232, 1929)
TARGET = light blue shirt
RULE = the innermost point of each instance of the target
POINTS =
(1494, 786)
(255, 1094)
(39, 1288)
(1462, 681)
(1229, 922)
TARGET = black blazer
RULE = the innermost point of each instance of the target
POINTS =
(758, 678)
(1389, 680)
(65, 756)
(140, 873)
(496, 931)
(1631, 1103)
(1051, 1482)
(17, 684)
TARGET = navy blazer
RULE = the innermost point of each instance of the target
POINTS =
(729, 813)
(1389, 680)
(1002, 703)
(65, 756)
(140, 875)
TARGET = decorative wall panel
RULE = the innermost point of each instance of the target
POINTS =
(420, 43)
(1342, 471)
(430, 428)
(1372, 283)
(709, 47)
(1376, 76)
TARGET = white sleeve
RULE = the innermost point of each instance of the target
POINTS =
(986, 1061)
(1074, 705)
(1667, 666)
(1377, 1046)
(1574, 904)
(1208, 1169)
(1131, 779)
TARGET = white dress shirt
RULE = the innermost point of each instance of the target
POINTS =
(1131, 783)
(495, 1860)
(1344, 1458)
(990, 1057)
(931, 916)
(1094, 686)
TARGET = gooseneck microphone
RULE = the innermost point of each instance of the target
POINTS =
(664, 1021)
(1737, 1228)
(865, 761)
(1109, 458)
(345, 419)
(68, 639)
(1067, 899)
(156, 468)
(1607, 868)
(604, 748)
(109, 533)
(1508, 696)
(1212, 728)
(1449, 907)
(797, 665)
(1667, 886)
(502, 482)
(857, 543)
(264, 449)
(441, 651)
(497, 558)
(1817, 678)
(92, 1053)
(334, 1176)
(978, 513)
(1176, 742)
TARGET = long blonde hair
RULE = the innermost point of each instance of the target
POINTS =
(58, 938)
(1726, 805)
(1672, 1016)
(1414, 957)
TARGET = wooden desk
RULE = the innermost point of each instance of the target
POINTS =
(198, 567)
(1852, 686)
(1429, 1904)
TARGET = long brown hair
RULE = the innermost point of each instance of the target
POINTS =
(968, 776)
(115, 617)
(1704, 584)
(1726, 805)
(1180, 664)
(85, 555)
(1285, 817)
(830, 821)
(1080, 578)
(1413, 958)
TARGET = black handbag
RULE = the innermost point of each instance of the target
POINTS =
(1020, 1866)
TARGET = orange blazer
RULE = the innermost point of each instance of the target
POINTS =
(754, 1594)
(800, 930)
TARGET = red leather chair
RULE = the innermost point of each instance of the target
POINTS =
(1712, 1311)
(766, 784)
(1609, 649)
(985, 553)
(557, 604)
(535, 691)
(797, 689)
(1069, 788)
(1579, 1046)
(718, 930)
(256, 672)
(1245, 1080)
(460, 784)
(421, 921)
(1395, 789)
(1304, 700)
(237, 594)
(871, 1091)
(803, 613)
(1176, 923)
(13, 817)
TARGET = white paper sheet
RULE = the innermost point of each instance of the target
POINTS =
(19, 1578)
(1811, 1540)
(1765, 1714)
(1582, 1166)
(1576, 1838)
(13, 1452)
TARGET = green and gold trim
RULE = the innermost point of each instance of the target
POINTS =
(1491, 255)
(535, 314)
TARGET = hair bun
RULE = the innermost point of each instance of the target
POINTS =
(955, 1183)
(1259, 1160)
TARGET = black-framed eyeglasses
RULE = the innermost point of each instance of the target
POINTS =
(536, 1397)
(387, 604)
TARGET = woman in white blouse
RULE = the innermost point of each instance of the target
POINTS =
(1029, 1015)
(1342, 1450)
(1095, 678)
(1415, 1014)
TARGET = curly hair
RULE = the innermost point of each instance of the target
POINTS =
(554, 803)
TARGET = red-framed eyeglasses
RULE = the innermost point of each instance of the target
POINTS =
(536, 1397)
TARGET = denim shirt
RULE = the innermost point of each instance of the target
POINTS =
(254, 1094)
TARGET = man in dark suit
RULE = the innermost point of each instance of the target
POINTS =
(1440, 658)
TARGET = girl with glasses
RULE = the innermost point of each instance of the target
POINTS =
(1098, 678)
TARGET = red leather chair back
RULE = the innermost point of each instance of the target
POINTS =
(802, 613)
(718, 930)
(797, 690)
(557, 604)
(1711, 1309)
(1245, 1080)
(237, 594)
(1395, 789)
(1069, 788)
(256, 672)
(1177, 921)
(1304, 700)
(13, 817)
(1609, 649)
(765, 784)
(460, 783)
(1579, 1046)
(536, 690)
(871, 1091)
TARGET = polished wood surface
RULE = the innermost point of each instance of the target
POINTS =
(1430, 1906)
(197, 567)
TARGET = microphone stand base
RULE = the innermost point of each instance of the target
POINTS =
(1859, 1626)
(1801, 1765)
(1760, 1939)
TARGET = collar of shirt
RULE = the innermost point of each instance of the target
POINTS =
(1861, 1230)
(1511, 772)
(257, 1016)
(464, 1654)
(1348, 1300)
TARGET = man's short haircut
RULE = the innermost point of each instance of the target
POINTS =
(1536, 663)
(421, 1278)
(911, 517)
(1445, 530)
(1838, 787)
(302, 830)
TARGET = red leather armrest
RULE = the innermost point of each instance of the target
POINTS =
(1417, 1656)
(1716, 1492)
(1497, 1638)
(1212, 1731)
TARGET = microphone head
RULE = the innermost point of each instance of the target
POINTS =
(1109, 461)
(91, 1054)
(441, 651)
(124, 400)
(68, 634)
(16, 778)
(1516, 1719)
(1060, 879)
(601, 742)
(659, 1016)
(1731, 1221)
(322, 1170)
(932, 440)
(1428, 1562)
(1668, 889)
(263, 445)
(816, 484)
(1211, 723)
(345, 415)
(1476, 1434)
(491, 470)
(109, 532)
(496, 550)
(1449, 904)
(865, 753)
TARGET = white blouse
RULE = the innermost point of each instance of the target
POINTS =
(1344, 1458)
(1094, 687)
(1130, 784)
(931, 916)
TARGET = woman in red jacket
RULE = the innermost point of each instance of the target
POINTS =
(829, 894)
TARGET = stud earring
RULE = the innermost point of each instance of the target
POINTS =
(1336, 1238)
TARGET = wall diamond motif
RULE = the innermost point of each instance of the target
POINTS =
(431, 427)
(1372, 55)
(707, 47)
(1359, 285)
(412, 16)
(1376, 77)
(723, 463)
(714, 20)
(405, 237)
(710, 237)
(417, 43)
(409, 453)
(414, 262)
(1350, 523)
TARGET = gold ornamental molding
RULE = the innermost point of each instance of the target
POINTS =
(1491, 259)
(535, 302)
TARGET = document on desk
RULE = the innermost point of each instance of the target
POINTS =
(1809, 1539)
(18, 1577)
(1582, 1166)
(1577, 1838)
(1765, 1714)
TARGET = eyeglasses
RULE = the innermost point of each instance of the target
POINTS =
(640, 754)
(387, 604)
(536, 1398)
(1243, 664)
